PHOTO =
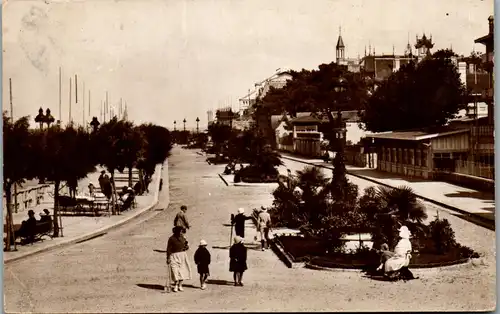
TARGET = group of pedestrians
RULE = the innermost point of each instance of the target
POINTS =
(179, 268)
(263, 225)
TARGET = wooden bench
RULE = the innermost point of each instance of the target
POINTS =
(41, 229)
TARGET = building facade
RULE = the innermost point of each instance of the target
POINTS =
(418, 153)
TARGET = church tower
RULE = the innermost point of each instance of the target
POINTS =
(340, 49)
(408, 49)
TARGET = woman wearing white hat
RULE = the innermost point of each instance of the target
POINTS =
(202, 261)
(402, 252)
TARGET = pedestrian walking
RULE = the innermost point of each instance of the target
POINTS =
(239, 222)
(177, 260)
(181, 219)
(202, 261)
(264, 224)
(238, 260)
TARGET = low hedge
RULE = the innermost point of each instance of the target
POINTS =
(251, 174)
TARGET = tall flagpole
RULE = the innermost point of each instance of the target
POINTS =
(60, 90)
(106, 106)
(10, 97)
(69, 121)
(83, 105)
(89, 103)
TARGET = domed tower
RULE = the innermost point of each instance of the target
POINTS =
(424, 46)
(340, 49)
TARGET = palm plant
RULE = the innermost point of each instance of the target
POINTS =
(389, 208)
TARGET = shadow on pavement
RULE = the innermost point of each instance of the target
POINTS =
(161, 287)
(160, 251)
(220, 282)
(220, 247)
(150, 286)
(255, 247)
(476, 194)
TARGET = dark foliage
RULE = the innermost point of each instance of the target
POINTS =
(422, 95)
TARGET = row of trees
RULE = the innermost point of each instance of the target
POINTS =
(419, 95)
(66, 154)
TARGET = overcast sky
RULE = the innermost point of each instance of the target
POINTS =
(175, 59)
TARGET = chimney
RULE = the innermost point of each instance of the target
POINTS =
(490, 22)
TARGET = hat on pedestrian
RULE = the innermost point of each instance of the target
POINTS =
(203, 243)
(238, 239)
(241, 210)
(404, 232)
(129, 189)
(103, 172)
(91, 184)
(46, 211)
(263, 208)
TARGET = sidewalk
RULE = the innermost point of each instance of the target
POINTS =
(480, 204)
(78, 228)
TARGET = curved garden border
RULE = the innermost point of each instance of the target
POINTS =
(290, 261)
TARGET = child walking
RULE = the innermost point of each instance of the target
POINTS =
(202, 260)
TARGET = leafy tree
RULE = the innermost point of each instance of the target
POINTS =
(117, 147)
(157, 144)
(133, 149)
(18, 162)
(220, 134)
(328, 89)
(423, 95)
(64, 155)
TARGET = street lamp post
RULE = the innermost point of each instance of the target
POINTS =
(49, 119)
(184, 121)
(40, 118)
(197, 125)
(94, 124)
(175, 122)
(340, 130)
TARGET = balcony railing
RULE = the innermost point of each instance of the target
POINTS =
(475, 169)
(483, 131)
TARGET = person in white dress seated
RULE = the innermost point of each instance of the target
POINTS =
(402, 254)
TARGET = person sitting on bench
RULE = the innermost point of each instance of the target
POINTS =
(127, 199)
(28, 227)
(45, 216)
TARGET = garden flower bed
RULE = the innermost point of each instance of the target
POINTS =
(314, 251)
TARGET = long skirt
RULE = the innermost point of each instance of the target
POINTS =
(179, 266)
(396, 263)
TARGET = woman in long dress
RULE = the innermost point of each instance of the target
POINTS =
(238, 260)
(402, 252)
(177, 259)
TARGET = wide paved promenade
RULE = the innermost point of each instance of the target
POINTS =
(124, 271)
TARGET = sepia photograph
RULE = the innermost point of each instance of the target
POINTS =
(176, 156)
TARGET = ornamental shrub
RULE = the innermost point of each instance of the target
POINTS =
(442, 235)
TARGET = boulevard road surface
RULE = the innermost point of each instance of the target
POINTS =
(124, 270)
